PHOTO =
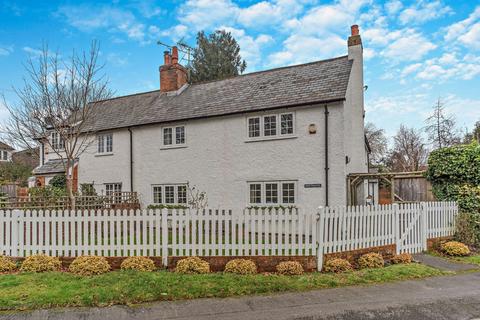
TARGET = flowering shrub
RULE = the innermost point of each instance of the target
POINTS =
(455, 248)
(89, 265)
(7, 264)
(138, 263)
(192, 265)
(241, 266)
(337, 265)
(401, 258)
(40, 263)
(371, 260)
(290, 268)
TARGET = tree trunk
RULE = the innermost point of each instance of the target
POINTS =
(69, 177)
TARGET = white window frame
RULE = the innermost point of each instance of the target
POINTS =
(174, 137)
(104, 137)
(4, 155)
(263, 192)
(278, 135)
(56, 141)
(175, 192)
(117, 198)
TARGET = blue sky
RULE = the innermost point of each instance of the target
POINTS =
(415, 51)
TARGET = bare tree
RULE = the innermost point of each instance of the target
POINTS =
(378, 144)
(440, 127)
(54, 108)
(409, 151)
(474, 135)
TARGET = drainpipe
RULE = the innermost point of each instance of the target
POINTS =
(326, 154)
(131, 159)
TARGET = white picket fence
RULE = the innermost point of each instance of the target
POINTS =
(208, 232)
(406, 225)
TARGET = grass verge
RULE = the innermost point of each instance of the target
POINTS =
(57, 289)
(473, 259)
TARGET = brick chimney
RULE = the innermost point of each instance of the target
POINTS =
(172, 74)
(354, 39)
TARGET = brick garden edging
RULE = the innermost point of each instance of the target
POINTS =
(217, 264)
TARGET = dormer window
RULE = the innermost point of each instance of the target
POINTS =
(173, 136)
(57, 141)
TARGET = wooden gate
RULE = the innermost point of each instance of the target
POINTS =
(411, 223)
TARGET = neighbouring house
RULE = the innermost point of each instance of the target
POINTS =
(287, 136)
(6, 152)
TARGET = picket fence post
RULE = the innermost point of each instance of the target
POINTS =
(320, 235)
(164, 226)
(15, 233)
(396, 220)
(423, 213)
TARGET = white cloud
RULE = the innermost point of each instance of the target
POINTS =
(423, 11)
(33, 52)
(448, 67)
(300, 49)
(89, 18)
(471, 38)
(6, 50)
(401, 49)
(392, 7)
(207, 14)
(268, 13)
(456, 30)
(410, 69)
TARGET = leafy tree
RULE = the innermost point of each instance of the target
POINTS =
(409, 151)
(441, 127)
(378, 144)
(216, 57)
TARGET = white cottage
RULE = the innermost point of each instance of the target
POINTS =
(285, 136)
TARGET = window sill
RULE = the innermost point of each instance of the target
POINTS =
(271, 138)
(173, 147)
(104, 154)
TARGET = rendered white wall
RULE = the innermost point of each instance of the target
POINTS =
(219, 160)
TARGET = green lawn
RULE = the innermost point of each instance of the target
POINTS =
(56, 289)
(475, 259)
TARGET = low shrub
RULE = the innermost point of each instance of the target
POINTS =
(290, 268)
(138, 263)
(89, 265)
(401, 258)
(192, 265)
(7, 264)
(241, 266)
(337, 265)
(40, 263)
(371, 260)
(455, 248)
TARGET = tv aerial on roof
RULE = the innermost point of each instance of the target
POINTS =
(182, 47)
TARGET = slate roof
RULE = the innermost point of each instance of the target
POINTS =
(5, 146)
(51, 166)
(315, 82)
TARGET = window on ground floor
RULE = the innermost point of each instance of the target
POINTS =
(272, 193)
(170, 194)
(115, 190)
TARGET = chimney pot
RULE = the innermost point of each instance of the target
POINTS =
(174, 55)
(166, 58)
(354, 29)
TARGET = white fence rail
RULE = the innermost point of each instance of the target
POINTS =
(208, 232)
